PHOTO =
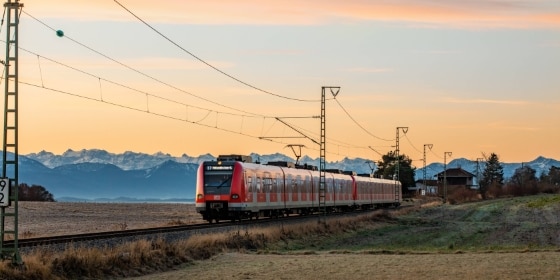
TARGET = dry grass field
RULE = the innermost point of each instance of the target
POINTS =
(37, 219)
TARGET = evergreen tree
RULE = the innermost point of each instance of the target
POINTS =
(492, 176)
(386, 168)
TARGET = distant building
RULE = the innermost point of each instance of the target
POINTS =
(430, 188)
(456, 178)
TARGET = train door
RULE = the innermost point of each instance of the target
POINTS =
(274, 190)
(288, 189)
(315, 191)
(339, 189)
(267, 187)
(280, 189)
(305, 195)
(259, 190)
(249, 178)
(348, 190)
(294, 190)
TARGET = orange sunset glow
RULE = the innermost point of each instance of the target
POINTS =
(196, 77)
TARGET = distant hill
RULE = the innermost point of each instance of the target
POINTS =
(98, 174)
(166, 180)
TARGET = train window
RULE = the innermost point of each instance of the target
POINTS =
(217, 181)
(278, 184)
(267, 182)
(299, 183)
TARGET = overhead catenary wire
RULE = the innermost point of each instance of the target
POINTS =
(131, 88)
(149, 96)
(138, 71)
(132, 108)
(410, 142)
(210, 65)
(159, 114)
(209, 111)
(438, 156)
(358, 124)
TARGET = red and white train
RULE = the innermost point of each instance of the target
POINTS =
(233, 188)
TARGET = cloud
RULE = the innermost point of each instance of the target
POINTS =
(437, 52)
(550, 44)
(514, 127)
(368, 70)
(427, 13)
(287, 52)
(486, 101)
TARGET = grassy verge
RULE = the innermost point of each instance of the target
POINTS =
(501, 225)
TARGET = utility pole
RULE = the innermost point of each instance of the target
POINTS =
(9, 181)
(478, 160)
(371, 167)
(322, 161)
(445, 154)
(430, 146)
(404, 130)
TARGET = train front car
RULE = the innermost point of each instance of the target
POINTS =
(217, 187)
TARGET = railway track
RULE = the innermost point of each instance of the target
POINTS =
(137, 233)
(74, 238)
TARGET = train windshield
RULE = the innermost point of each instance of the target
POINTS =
(217, 179)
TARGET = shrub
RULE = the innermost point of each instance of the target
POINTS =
(461, 195)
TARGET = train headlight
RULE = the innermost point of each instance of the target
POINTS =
(199, 196)
(234, 196)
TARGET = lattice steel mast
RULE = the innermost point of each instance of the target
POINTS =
(323, 149)
(9, 182)
(430, 146)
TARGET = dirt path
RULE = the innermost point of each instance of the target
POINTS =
(530, 265)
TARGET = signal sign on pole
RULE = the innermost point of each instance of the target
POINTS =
(4, 192)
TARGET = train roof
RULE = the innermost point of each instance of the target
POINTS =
(287, 164)
(247, 159)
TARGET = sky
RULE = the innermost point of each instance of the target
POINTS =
(235, 77)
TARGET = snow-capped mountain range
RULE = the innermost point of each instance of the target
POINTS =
(94, 173)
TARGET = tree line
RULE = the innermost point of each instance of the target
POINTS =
(523, 182)
(491, 184)
(34, 193)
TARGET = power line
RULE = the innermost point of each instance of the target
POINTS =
(135, 109)
(133, 89)
(208, 64)
(410, 142)
(249, 114)
(333, 141)
(358, 124)
(159, 114)
(438, 156)
(138, 71)
(209, 111)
